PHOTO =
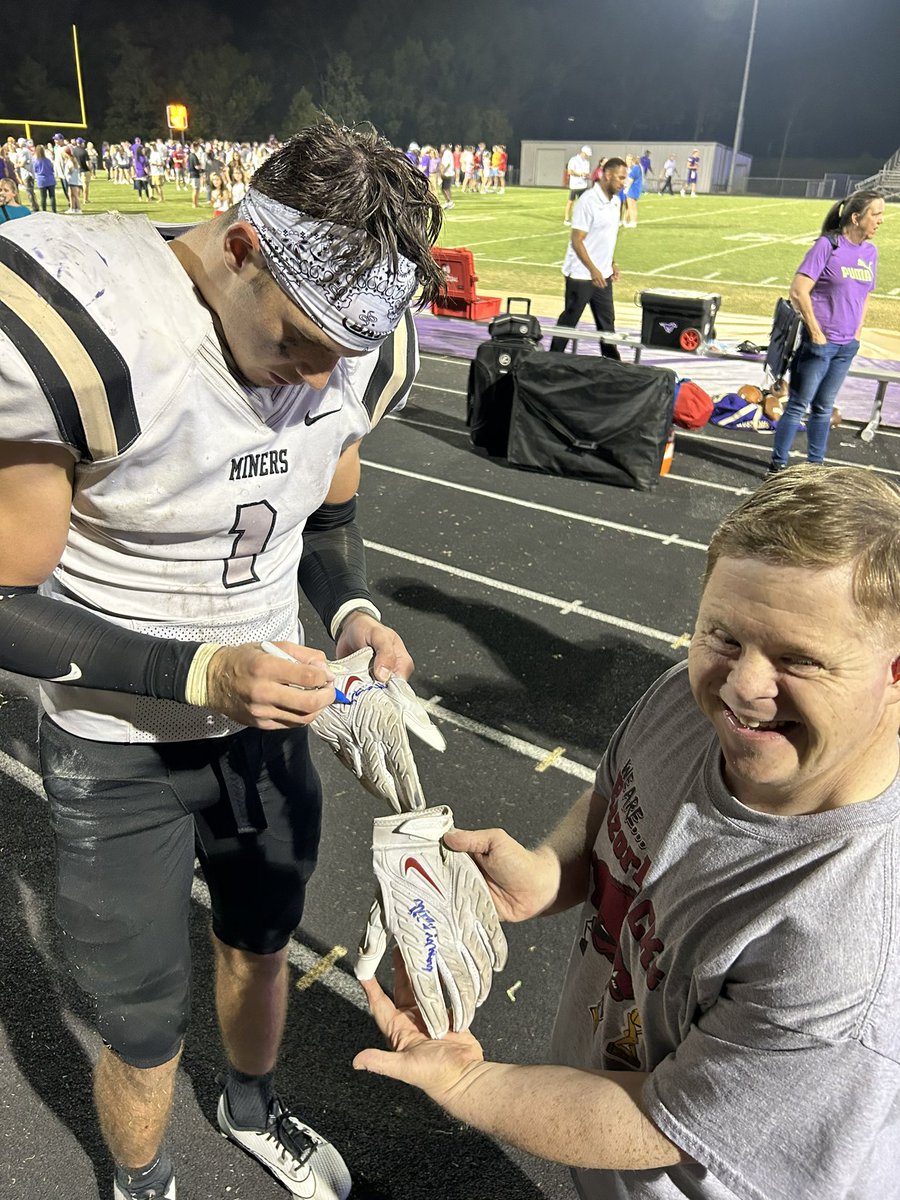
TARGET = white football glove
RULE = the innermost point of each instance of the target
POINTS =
(436, 904)
(369, 735)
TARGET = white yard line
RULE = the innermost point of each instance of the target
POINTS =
(733, 282)
(521, 262)
(741, 249)
(561, 230)
(714, 212)
(519, 237)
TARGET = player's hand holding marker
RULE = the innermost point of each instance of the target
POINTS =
(368, 729)
(436, 904)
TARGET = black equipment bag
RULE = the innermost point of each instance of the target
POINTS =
(783, 340)
(591, 418)
(516, 326)
(490, 393)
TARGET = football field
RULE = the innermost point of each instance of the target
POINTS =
(746, 248)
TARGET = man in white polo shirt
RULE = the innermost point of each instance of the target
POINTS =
(579, 176)
(588, 267)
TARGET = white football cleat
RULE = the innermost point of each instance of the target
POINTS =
(299, 1158)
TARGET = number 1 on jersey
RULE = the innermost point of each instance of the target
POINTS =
(253, 525)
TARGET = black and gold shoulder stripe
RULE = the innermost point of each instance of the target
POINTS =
(394, 372)
(85, 379)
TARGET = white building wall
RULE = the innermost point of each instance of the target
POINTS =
(543, 164)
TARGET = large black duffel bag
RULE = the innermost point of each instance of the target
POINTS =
(591, 418)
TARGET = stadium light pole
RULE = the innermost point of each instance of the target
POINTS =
(739, 126)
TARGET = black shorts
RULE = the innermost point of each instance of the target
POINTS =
(129, 820)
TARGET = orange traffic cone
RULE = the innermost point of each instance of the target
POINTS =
(668, 454)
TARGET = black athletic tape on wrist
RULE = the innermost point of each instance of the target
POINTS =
(58, 642)
(333, 565)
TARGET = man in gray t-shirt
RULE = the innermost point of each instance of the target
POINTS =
(728, 1025)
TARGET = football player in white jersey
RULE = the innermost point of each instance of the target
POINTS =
(179, 437)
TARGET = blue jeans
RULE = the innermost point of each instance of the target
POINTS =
(817, 373)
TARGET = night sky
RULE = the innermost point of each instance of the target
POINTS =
(824, 79)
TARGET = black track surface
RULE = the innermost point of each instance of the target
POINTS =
(491, 617)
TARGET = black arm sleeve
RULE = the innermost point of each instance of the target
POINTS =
(49, 639)
(333, 565)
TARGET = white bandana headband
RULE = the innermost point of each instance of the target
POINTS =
(357, 313)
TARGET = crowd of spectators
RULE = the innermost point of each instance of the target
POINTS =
(215, 172)
(480, 168)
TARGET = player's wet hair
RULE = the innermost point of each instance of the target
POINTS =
(359, 181)
(818, 517)
(613, 164)
(840, 216)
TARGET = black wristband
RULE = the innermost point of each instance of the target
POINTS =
(61, 643)
(333, 565)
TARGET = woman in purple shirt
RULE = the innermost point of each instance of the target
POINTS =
(830, 291)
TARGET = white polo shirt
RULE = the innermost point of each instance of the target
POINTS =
(598, 218)
(579, 169)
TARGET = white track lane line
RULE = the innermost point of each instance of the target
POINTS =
(799, 455)
(722, 441)
(667, 539)
(572, 607)
(507, 740)
(299, 955)
(433, 387)
(464, 433)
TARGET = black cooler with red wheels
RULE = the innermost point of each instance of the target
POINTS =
(676, 320)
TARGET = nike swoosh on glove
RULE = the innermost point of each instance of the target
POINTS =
(370, 734)
(436, 904)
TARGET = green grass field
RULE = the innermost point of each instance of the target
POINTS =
(744, 247)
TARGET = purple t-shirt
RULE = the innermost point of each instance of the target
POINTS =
(843, 277)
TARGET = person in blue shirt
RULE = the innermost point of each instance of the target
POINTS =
(633, 189)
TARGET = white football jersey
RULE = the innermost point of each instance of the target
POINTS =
(191, 489)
